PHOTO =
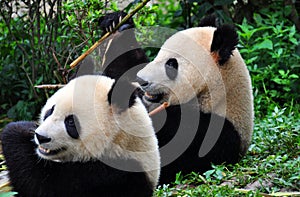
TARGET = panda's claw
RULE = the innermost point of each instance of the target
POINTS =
(110, 28)
(113, 24)
(107, 30)
(120, 19)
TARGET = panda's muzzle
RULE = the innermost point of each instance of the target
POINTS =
(151, 96)
(144, 84)
(46, 151)
(154, 98)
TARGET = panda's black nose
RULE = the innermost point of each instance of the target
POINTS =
(142, 82)
(42, 139)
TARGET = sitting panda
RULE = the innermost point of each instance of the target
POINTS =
(203, 78)
(94, 138)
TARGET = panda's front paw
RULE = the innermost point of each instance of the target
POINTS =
(23, 128)
(110, 21)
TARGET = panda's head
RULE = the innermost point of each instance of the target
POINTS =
(187, 62)
(80, 121)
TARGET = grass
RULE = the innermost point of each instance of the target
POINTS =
(270, 168)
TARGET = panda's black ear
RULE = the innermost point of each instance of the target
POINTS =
(224, 42)
(122, 94)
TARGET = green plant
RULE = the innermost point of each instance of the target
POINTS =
(37, 46)
(269, 50)
(8, 194)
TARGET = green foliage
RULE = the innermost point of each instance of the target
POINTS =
(17, 93)
(84, 22)
(282, 127)
(8, 194)
(163, 13)
(37, 47)
(269, 48)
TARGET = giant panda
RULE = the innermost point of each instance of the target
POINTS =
(94, 138)
(203, 78)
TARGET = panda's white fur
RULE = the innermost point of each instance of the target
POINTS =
(222, 89)
(102, 129)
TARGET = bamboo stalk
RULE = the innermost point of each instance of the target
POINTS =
(49, 86)
(92, 48)
(159, 108)
(5, 184)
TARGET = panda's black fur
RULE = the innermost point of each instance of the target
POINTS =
(124, 55)
(225, 150)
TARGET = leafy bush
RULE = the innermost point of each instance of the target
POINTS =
(269, 48)
(37, 46)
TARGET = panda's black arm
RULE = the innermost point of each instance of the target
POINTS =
(24, 166)
(124, 57)
(29, 174)
(17, 142)
(108, 22)
(120, 53)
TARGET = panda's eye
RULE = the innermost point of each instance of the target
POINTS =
(171, 68)
(48, 112)
(72, 126)
(70, 122)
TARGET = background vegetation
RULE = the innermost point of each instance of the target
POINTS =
(39, 39)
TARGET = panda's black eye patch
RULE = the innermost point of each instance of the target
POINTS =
(48, 112)
(171, 67)
(72, 126)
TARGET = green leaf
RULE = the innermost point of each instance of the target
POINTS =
(114, 6)
(281, 72)
(208, 173)
(251, 60)
(294, 41)
(293, 76)
(292, 31)
(8, 194)
(279, 52)
(276, 110)
(257, 17)
(266, 44)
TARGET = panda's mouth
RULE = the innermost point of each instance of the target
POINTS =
(48, 152)
(154, 98)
